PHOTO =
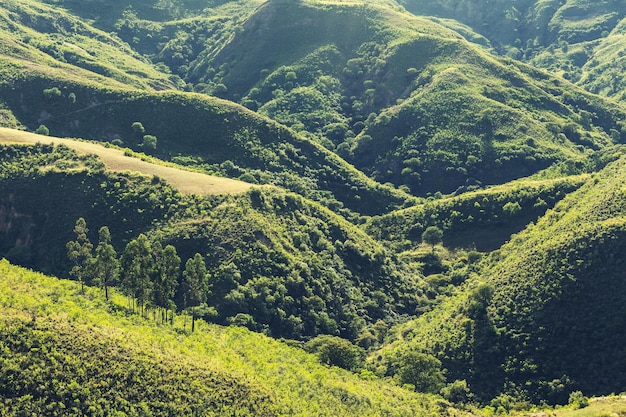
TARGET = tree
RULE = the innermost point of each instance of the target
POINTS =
(432, 236)
(195, 285)
(166, 272)
(333, 350)
(420, 370)
(137, 265)
(149, 143)
(106, 265)
(138, 128)
(43, 130)
(79, 252)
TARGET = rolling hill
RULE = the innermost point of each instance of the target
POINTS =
(528, 320)
(68, 352)
(301, 149)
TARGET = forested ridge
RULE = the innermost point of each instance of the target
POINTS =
(430, 199)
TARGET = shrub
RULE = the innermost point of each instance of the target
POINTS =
(42, 130)
(336, 351)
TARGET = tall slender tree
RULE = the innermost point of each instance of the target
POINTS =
(166, 273)
(106, 265)
(79, 251)
(195, 285)
(137, 265)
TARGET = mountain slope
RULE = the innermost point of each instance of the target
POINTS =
(540, 322)
(403, 98)
(577, 39)
(67, 352)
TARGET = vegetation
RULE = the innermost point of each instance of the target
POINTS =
(411, 198)
(101, 360)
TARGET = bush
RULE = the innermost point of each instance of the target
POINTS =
(420, 370)
(578, 400)
(336, 351)
(43, 130)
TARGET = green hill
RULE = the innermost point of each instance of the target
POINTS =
(67, 353)
(403, 98)
(538, 321)
(295, 268)
(339, 132)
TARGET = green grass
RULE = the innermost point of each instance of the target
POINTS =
(250, 374)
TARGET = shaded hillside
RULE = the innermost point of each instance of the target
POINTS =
(215, 135)
(295, 268)
(63, 352)
(292, 267)
(542, 320)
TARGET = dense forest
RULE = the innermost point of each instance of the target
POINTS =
(394, 207)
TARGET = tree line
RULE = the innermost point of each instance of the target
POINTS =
(148, 273)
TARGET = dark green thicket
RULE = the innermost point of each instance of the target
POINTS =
(293, 267)
(43, 191)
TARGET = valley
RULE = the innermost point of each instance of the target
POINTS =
(305, 207)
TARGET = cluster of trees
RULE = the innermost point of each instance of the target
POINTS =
(146, 272)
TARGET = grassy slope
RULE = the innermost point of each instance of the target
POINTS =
(37, 35)
(216, 370)
(186, 182)
(549, 327)
(213, 130)
(577, 39)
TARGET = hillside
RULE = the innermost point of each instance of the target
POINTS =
(527, 322)
(577, 39)
(186, 182)
(403, 98)
(67, 352)
(427, 193)
(295, 268)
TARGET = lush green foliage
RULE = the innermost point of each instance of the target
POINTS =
(296, 268)
(64, 352)
(407, 101)
(547, 298)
